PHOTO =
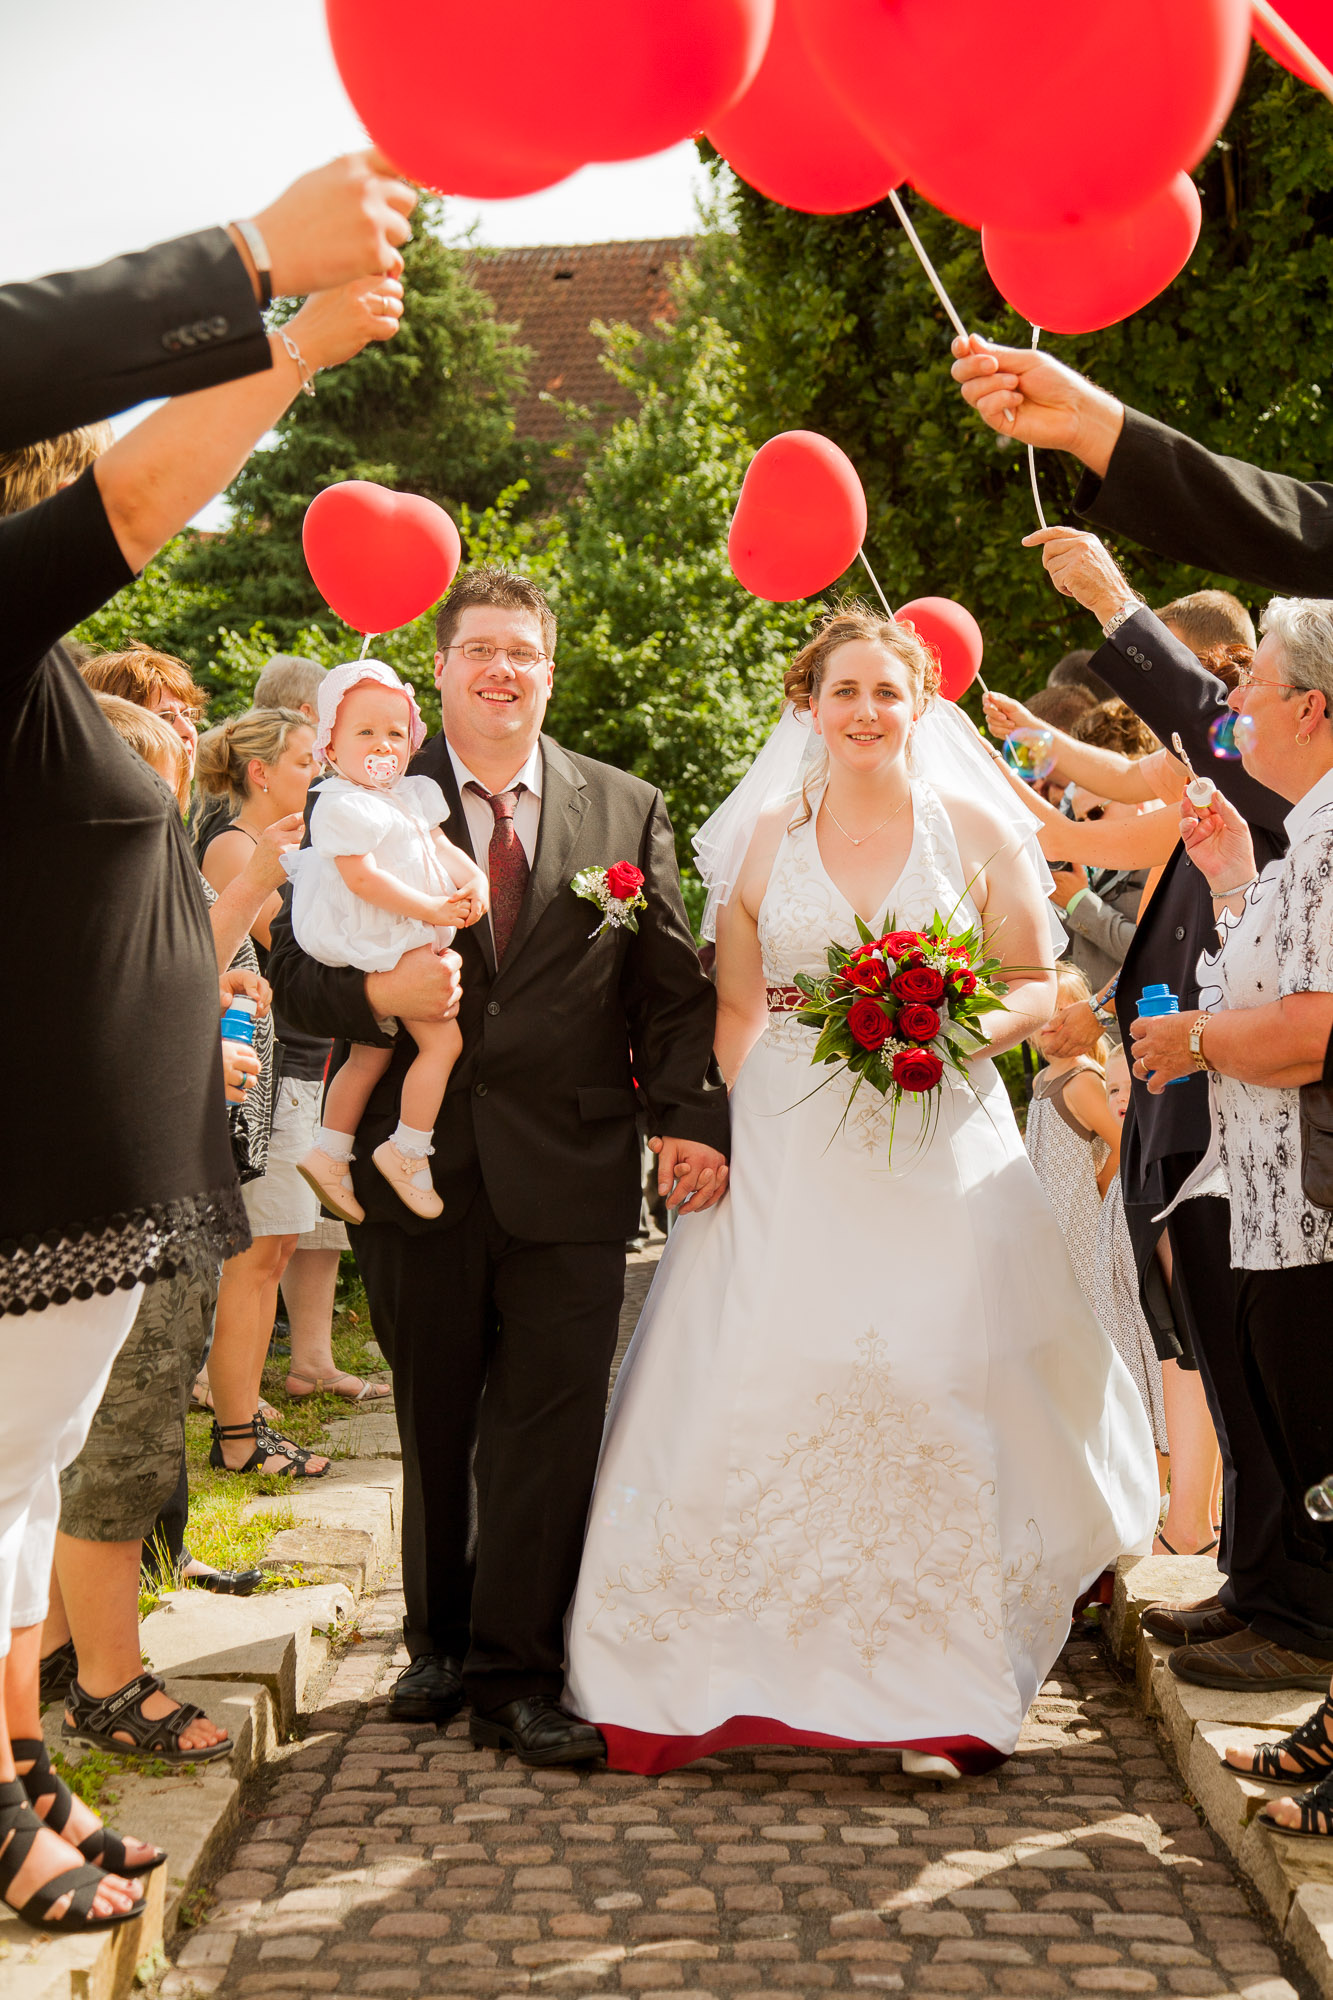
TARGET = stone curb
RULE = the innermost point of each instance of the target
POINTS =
(252, 1664)
(1294, 1878)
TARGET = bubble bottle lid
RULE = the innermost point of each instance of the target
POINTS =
(238, 1022)
(1158, 1000)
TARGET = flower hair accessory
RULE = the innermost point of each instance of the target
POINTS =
(617, 892)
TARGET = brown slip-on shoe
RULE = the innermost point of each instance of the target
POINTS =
(1246, 1660)
(1191, 1624)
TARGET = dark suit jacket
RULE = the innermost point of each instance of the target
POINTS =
(1164, 683)
(1195, 506)
(541, 1104)
(80, 345)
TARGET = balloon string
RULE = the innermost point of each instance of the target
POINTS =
(875, 580)
(926, 264)
(1032, 456)
(365, 643)
(1293, 44)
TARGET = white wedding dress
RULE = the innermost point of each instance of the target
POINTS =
(868, 1443)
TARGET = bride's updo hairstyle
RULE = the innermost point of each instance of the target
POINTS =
(852, 621)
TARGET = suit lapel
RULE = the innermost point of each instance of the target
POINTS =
(433, 761)
(563, 805)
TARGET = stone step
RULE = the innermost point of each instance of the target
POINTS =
(278, 1638)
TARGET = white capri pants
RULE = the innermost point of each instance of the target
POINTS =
(53, 1370)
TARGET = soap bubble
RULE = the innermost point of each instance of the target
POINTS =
(1319, 1501)
(1246, 735)
(1222, 736)
(1030, 753)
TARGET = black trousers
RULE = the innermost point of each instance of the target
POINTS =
(500, 1350)
(1286, 1330)
(1280, 1590)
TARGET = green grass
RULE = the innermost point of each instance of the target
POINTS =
(217, 1534)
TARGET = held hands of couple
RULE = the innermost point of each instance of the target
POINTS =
(1070, 1030)
(690, 1176)
(1026, 394)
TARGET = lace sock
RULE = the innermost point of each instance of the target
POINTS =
(338, 1145)
(408, 1140)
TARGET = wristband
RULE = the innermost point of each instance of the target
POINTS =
(1220, 895)
(1076, 899)
(254, 242)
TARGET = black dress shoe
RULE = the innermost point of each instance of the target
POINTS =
(539, 1731)
(430, 1689)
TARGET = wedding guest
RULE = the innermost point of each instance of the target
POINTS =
(155, 681)
(1060, 707)
(1210, 621)
(124, 1051)
(1262, 1032)
(1075, 671)
(1101, 907)
(186, 315)
(263, 762)
(285, 681)
(1270, 1588)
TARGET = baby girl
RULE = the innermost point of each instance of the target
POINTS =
(377, 880)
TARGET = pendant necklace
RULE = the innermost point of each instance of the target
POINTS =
(874, 829)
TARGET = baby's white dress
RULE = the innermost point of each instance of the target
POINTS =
(332, 924)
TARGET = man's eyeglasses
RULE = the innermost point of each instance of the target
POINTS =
(170, 712)
(481, 652)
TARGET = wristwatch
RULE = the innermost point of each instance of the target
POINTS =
(1117, 618)
(1197, 1027)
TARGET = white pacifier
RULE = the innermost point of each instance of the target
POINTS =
(381, 767)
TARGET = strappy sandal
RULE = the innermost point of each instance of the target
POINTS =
(369, 1392)
(19, 1828)
(58, 1668)
(41, 1782)
(1316, 1808)
(268, 1444)
(96, 1722)
(1206, 1550)
(1310, 1748)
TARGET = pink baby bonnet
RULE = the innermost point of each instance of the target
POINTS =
(335, 685)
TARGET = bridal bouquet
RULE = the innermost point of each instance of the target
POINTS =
(897, 1010)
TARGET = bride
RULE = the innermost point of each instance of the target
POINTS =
(868, 1444)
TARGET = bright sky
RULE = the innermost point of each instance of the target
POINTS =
(129, 122)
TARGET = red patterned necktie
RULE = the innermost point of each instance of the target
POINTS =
(507, 865)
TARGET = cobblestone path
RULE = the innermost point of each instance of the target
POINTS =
(387, 1861)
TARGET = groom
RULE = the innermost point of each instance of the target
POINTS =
(499, 1318)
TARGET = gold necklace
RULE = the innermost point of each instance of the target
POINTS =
(874, 829)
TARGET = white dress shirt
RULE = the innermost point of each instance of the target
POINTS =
(480, 818)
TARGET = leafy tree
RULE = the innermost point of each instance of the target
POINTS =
(841, 333)
(666, 667)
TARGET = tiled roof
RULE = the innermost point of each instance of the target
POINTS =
(554, 293)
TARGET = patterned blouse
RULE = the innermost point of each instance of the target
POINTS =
(1282, 942)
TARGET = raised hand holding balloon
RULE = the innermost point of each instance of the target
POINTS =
(378, 558)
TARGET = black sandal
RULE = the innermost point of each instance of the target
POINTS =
(41, 1782)
(1206, 1550)
(268, 1444)
(93, 1721)
(19, 1828)
(1316, 1807)
(58, 1669)
(1310, 1748)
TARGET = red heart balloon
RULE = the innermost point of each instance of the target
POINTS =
(1088, 275)
(585, 80)
(800, 518)
(952, 634)
(378, 558)
(1007, 139)
(790, 137)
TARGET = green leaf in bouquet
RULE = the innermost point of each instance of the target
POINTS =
(867, 936)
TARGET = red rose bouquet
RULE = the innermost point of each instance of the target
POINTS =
(896, 1011)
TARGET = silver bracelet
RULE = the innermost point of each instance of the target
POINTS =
(1117, 618)
(1220, 895)
(307, 378)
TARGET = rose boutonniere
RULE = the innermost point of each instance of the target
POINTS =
(617, 892)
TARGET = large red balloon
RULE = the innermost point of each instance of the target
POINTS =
(800, 518)
(791, 138)
(379, 559)
(582, 80)
(1312, 20)
(1077, 112)
(952, 634)
(1090, 274)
